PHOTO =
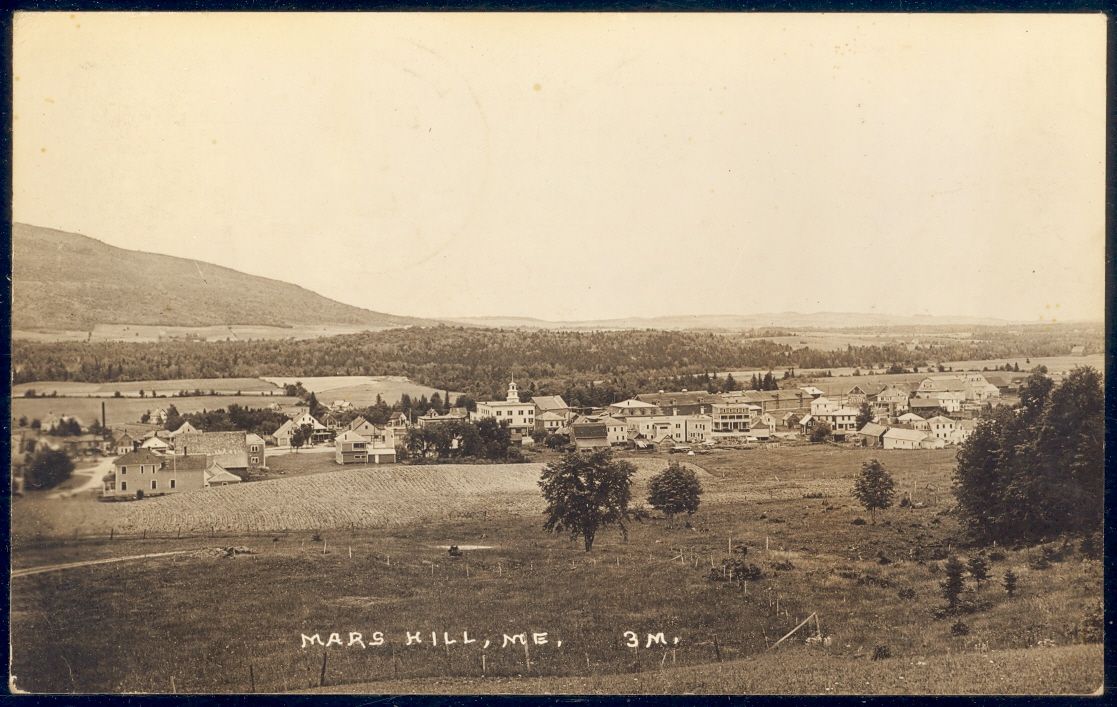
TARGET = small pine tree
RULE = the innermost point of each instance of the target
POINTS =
(874, 488)
(954, 583)
(979, 568)
(1009, 582)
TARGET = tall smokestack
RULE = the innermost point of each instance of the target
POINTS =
(103, 428)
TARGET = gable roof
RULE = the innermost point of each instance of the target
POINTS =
(590, 430)
(215, 473)
(549, 402)
(925, 403)
(140, 456)
(632, 404)
(251, 438)
(285, 427)
(872, 429)
(550, 415)
(350, 436)
(905, 434)
(910, 417)
(941, 419)
(358, 421)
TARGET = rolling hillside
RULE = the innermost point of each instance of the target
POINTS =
(66, 281)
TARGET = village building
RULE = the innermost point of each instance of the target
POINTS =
(257, 450)
(399, 423)
(689, 429)
(942, 427)
(433, 417)
(355, 448)
(228, 449)
(913, 421)
(183, 428)
(519, 416)
(552, 404)
(872, 434)
(156, 444)
(732, 419)
(587, 433)
(776, 402)
(900, 438)
(144, 473)
(813, 391)
(550, 422)
(121, 444)
(925, 407)
(858, 395)
(891, 401)
(824, 406)
(682, 402)
(627, 409)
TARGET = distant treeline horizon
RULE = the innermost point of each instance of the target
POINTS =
(479, 362)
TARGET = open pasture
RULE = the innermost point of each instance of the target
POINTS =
(225, 386)
(361, 390)
(119, 411)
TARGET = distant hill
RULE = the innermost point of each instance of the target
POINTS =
(793, 320)
(66, 281)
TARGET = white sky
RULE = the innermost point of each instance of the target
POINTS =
(585, 166)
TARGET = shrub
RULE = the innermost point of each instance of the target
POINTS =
(959, 628)
(783, 566)
(1092, 623)
(954, 583)
(979, 568)
(857, 521)
(882, 652)
(906, 593)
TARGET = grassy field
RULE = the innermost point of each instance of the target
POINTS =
(161, 387)
(129, 410)
(351, 570)
(1052, 671)
(362, 390)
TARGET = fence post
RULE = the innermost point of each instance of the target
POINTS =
(717, 648)
(322, 675)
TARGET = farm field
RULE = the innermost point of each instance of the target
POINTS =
(340, 577)
(361, 390)
(351, 497)
(168, 388)
(119, 411)
(1055, 364)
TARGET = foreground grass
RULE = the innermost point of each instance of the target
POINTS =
(1068, 670)
(215, 624)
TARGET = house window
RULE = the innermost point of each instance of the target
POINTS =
(255, 460)
(123, 470)
(172, 483)
(123, 485)
(154, 484)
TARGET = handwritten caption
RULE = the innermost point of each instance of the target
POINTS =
(434, 639)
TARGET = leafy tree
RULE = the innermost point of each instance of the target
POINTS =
(314, 407)
(48, 468)
(22, 421)
(300, 436)
(864, 415)
(874, 488)
(174, 419)
(556, 440)
(464, 401)
(954, 583)
(821, 432)
(676, 489)
(36, 424)
(496, 438)
(1037, 470)
(586, 492)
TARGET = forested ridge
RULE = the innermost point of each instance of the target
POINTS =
(479, 361)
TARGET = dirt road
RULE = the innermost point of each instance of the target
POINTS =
(27, 571)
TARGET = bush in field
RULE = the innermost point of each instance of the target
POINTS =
(959, 628)
(906, 593)
(587, 492)
(1092, 623)
(874, 488)
(48, 468)
(882, 652)
(676, 489)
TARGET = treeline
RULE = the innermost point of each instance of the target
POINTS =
(479, 361)
(233, 418)
(1036, 470)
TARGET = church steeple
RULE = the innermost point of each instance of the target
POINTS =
(513, 392)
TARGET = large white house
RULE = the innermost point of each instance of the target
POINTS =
(519, 416)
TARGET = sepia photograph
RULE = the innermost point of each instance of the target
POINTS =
(477, 353)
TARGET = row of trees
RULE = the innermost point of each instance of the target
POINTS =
(484, 439)
(1036, 470)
